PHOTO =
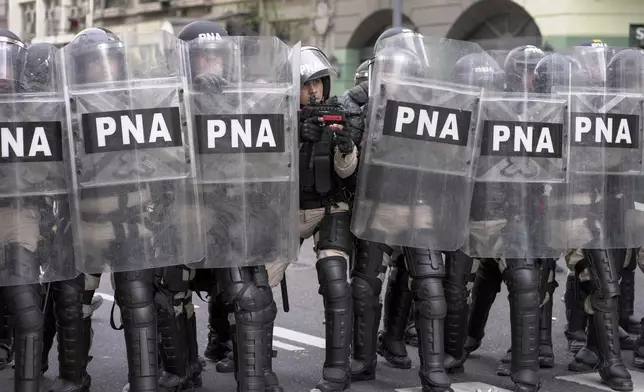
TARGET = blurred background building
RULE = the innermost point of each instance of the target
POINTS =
(345, 29)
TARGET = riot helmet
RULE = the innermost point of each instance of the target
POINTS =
(95, 55)
(403, 39)
(555, 71)
(40, 70)
(13, 54)
(593, 56)
(315, 73)
(209, 51)
(519, 67)
(480, 70)
(626, 70)
(362, 73)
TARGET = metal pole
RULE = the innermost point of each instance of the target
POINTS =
(397, 13)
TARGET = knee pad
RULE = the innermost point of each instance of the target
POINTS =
(522, 276)
(429, 297)
(424, 263)
(68, 299)
(256, 306)
(604, 272)
(335, 233)
(23, 303)
(332, 276)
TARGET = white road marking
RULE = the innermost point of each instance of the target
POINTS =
(462, 387)
(286, 346)
(298, 337)
(110, 298)
(593, 380)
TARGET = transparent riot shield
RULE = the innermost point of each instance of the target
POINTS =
(520, 177)
(135, 205)
(37, 244)
(415, 177)
(244, 93)
(605, 208)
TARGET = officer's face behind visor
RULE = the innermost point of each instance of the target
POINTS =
(208, 64)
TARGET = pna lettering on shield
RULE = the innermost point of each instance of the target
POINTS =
(248, 133)
(429, 123)
(522, 139)
(124, 130)
(31, 142)
(605, 129)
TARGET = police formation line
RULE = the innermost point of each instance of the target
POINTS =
(180, 165)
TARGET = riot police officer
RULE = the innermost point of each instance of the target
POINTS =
(246, 289)
(324, 213)
(123, 222)
(68, 314)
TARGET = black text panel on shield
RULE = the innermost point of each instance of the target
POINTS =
(124, 130)
(240, 133)
(31, 142)
(522, 139)
(427, 123)
(614, 130)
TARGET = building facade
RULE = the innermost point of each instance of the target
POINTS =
(345, 29)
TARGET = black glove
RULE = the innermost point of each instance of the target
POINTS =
(343, 141)
(209, 83)
(311, 130)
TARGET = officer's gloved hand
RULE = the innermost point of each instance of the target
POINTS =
(311, 130)
(209, 83)
(343, 141)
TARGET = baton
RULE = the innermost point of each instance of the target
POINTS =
(284, 288)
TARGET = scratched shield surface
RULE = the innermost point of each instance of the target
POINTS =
(518, 187)
(136, 204)
(33, 190)
(604, 192)
(415, 179)
(247, 163)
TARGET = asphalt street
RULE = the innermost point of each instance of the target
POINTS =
(299, 339)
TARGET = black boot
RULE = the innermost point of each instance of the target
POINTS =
(336, 293)
(411, 337)
(604, 269)
(587, 358)
(49, 329)
(627, 319)
(522, 279)
(486, 285)
(195, 363)
(638, 350)
(271, 383)
(219, 344)
(74, 336)
(576, 317)
(134, 296)
(459, 267)
(364, 358)
(23, 304)
(546, 354)
(365, 291)
(398, 304)
(255, 310)
(427, 271)
(6, 337)
(612, 369)
(173, 348)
